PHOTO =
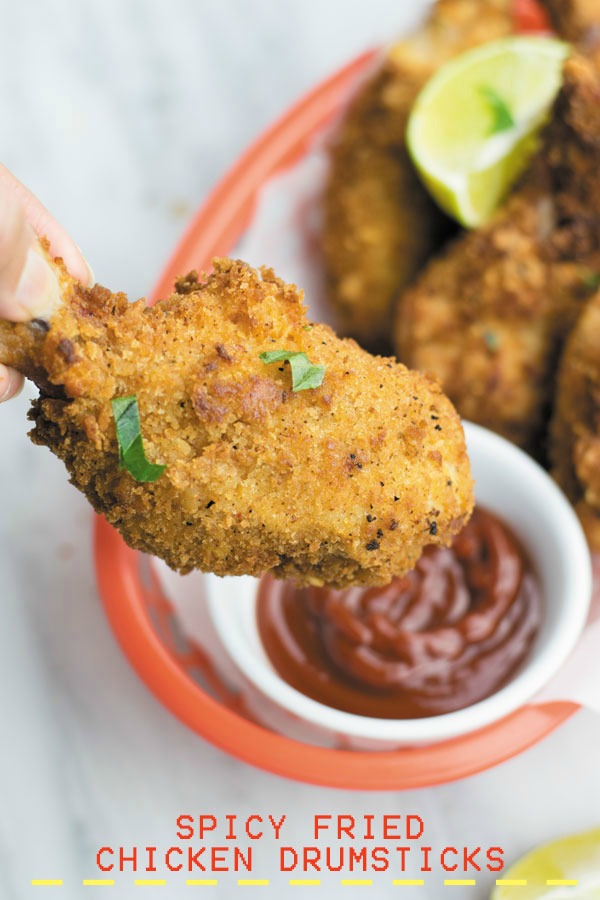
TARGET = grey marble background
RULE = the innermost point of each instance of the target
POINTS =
(121, 116)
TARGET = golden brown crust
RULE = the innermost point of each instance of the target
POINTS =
(575, 431)
(343, 484)
(380, 224)
(576, 20)
(489, 317)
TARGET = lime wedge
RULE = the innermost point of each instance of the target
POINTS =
(474, 126)
(568, 869)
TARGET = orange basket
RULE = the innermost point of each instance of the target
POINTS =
(180, 674)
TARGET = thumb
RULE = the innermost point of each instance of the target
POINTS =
(10, 383)
(28, 286)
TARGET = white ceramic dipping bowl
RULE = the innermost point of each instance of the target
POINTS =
(508, 483)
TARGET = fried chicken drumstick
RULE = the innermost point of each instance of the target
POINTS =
(344, 483)
(576, 20)
(380, 224)
(490, 315)
(575, 431)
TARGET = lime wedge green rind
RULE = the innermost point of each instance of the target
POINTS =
(460, 135)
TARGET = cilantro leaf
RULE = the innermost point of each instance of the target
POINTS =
(132, 456)
(305, 375)
(591, 280)
(501, 114)
(491, 340)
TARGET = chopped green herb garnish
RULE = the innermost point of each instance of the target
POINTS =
(307, 328)
(491, 339)
(502, 118)
(132, 456)
(591, 280)
(305, 375)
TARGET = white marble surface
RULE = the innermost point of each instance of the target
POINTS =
(122, 115)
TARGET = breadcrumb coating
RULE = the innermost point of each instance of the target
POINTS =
(576, 20)
(343, 484)
(380, 224)
(575, 432)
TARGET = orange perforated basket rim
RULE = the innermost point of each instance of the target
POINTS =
(214, 231)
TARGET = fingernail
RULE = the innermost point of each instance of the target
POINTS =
(38, 292)
(91, 277)
(10, 383)
(5, 384)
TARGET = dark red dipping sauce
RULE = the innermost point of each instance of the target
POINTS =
(446, 635)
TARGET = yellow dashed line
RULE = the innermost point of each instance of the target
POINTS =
(304, 882)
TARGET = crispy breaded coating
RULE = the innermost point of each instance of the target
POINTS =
(575, 431)
(343, 484)
(490, 316)
(576, 20)
(380, 224)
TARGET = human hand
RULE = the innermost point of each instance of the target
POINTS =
(26, 279)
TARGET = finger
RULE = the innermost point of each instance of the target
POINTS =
(61, 244)
(11, 383)
(16, 237)
(28, 285)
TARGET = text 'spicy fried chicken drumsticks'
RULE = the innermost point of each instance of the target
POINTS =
(341, 483)
(380, 224)
(575, 432)
(490, 315)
